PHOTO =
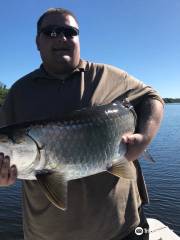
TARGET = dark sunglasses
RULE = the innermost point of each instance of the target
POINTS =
(54, 31)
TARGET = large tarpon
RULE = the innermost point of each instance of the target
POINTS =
(86, 142)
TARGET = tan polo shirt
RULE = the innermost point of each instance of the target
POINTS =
(102, 206)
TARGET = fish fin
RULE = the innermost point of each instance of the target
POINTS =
(123, 169)
(54, 186)
(147, 156)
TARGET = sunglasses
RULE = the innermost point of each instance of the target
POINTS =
(54, 31)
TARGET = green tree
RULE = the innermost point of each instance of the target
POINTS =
(3, 92)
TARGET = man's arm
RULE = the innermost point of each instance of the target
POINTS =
(150, 114)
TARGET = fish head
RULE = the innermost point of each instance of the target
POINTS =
(22, 151)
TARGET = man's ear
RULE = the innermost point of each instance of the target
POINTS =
(37, 42)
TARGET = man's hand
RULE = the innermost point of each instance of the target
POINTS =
(136, 144)
(8, 174)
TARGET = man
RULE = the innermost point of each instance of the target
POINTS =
(100, 207)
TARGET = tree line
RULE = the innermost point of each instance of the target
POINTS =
(171, 100)
(4, 91)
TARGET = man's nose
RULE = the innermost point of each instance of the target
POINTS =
(61, 36)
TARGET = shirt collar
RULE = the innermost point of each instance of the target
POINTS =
(41, 72)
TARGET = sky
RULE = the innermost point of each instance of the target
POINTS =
(141, 37)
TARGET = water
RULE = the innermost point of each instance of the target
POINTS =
(11, 213)
(162, 178)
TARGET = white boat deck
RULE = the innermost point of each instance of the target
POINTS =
(159, 231)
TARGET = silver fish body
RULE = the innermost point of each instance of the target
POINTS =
(86, 142)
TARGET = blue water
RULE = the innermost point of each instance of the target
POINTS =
(162, 178)
(11, 213)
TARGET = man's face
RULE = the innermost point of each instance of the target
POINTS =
(60, 52)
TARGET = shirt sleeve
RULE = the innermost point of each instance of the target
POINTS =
(118, 84)
(135, 89)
